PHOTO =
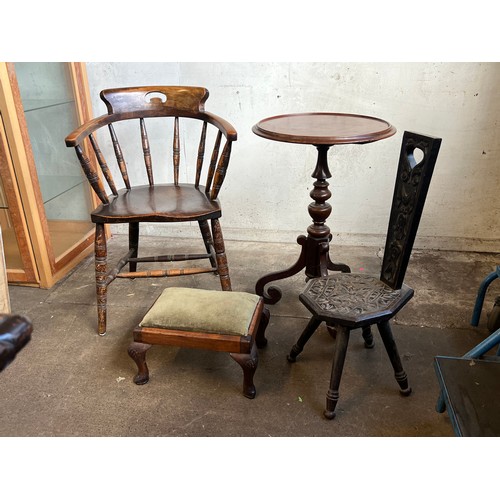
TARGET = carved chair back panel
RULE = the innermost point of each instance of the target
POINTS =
(416, 165)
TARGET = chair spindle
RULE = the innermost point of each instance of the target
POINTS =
(220, 173)
(177, 151)
(119, 156)
(147, 152)
(213, 162)
(104, 167)
(201, 154)
(91, 174)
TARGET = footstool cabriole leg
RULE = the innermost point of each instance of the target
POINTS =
(137, 351)
(248, 363)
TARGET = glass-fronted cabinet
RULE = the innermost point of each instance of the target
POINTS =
(45, 201)
(19, 259)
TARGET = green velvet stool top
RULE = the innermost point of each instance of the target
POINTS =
(209, 311)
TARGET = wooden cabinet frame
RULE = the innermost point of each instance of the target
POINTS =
(42, 268)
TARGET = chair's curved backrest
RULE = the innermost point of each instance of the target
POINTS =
(158, 100)
(410, 191)
(140, 103)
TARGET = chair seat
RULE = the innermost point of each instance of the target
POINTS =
(353, 300)
(159, 203)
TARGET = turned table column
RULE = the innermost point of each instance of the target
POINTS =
(318, 239)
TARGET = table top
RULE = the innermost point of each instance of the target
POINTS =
(324, 128)
(471, 389)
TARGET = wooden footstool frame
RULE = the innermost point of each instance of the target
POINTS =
(242, 348)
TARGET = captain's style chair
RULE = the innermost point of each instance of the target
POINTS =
(194, 199)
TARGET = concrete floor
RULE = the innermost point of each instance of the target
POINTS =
(70, 382)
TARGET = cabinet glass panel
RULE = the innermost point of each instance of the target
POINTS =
(50, 110)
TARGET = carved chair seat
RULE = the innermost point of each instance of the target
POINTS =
(354, 300)
(350, 301)
(232, 322)
(155, 116)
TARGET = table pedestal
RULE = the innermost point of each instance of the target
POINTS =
(314, 255)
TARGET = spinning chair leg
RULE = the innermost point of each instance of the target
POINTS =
(332, 395)
(390, 346)
(101, 277)
(248, 363)
(306, 335)
(207, 239)
(220, 252)
(137, 351)
(368, 337)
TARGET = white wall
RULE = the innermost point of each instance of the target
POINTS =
(266, 192)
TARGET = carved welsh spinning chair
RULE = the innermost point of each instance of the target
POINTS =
(348, 301)
(151, 201)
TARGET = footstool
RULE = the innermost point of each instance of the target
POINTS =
(232, 322)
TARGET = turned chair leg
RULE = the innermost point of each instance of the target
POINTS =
(339, 355)
(100, 249)
(301, 342)
(331, 331)
(368, 337)
(220, 253)
(133, 244)
(207, 239)
(137, 351)
(390, 346)
(248, 363)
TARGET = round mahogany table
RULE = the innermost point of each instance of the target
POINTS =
(321, 130)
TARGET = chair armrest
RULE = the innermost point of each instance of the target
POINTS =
(76, 137)
(223, 125)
